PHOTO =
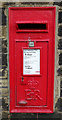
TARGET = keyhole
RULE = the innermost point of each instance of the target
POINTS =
(22, 79)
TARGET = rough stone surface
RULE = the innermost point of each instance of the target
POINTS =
(60, 44)
(60, 30)
(59, 71)
(60, 59)
(3, 17)
(60, 17)
(58, 3)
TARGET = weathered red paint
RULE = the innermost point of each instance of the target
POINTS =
(31, 93)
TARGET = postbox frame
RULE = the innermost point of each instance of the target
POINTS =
(44, 109)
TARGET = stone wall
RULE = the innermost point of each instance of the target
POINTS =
(4, 90)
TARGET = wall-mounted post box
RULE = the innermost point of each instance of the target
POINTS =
(31, 59)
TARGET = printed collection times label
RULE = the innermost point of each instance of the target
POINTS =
(31, 61)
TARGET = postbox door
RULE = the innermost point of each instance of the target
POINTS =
(31, 73)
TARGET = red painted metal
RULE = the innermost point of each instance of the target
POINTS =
(31, 93)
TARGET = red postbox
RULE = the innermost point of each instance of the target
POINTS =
(31, 59)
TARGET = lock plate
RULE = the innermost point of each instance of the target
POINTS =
(31, 44)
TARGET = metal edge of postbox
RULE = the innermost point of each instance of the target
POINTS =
(8, 54)
(56, 30)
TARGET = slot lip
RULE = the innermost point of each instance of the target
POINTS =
(34, 22)
(32, 30)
